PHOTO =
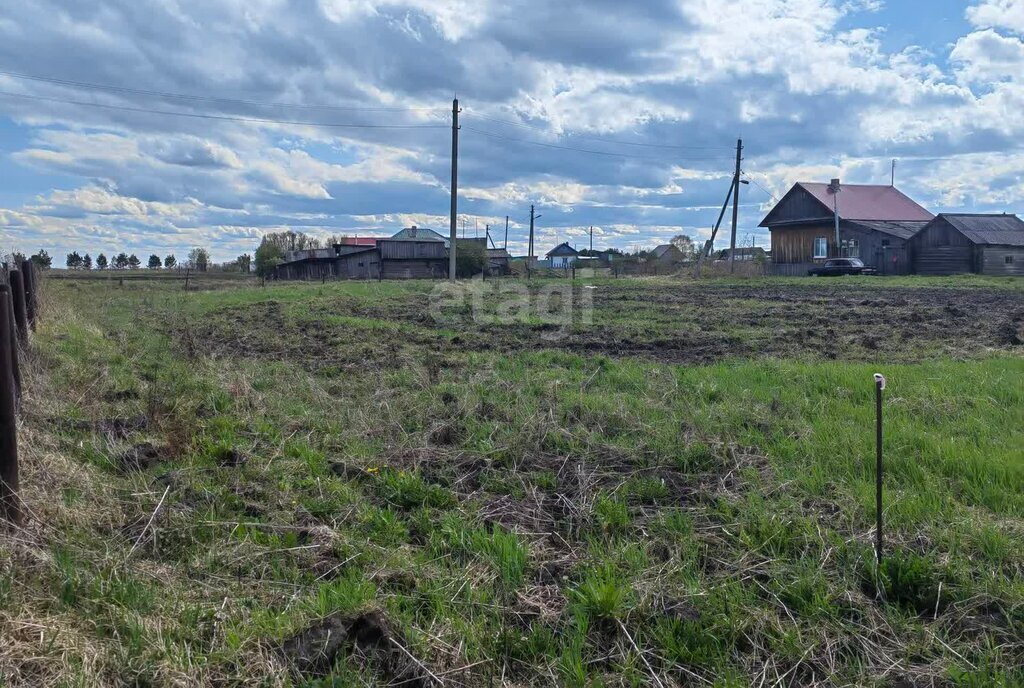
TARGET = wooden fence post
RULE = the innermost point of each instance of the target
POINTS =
(28, 274)
(20, 315)
(9, 506)
(12, 341)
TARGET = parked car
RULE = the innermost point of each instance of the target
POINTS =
(835, 267)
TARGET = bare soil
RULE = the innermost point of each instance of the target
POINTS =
(692, 323)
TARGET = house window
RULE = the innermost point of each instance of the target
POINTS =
(885, 243)
(1008, 260)
(851, 248)
(821, 247)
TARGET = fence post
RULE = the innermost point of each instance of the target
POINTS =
(20, 316)
(879, 386)
(31, 301)
(12, 340)
(9, 507)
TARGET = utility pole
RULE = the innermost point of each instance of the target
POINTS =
(591, 237)
(455, 189)
(892, 178)
(506, 232)
(529, 257)
(710, 246)
(835, 188)
(735, 204)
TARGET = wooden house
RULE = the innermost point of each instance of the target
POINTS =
(499, 262)
(875, 223)
(562, 256)
(954, 243)
(666, 254)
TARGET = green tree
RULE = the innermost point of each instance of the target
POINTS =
(268, 255)
(470, 258)
(154, 262)
(74, 261)
(684, 244)
(101, 262)
(170, 261)
(42, 259)
(87, 262)
(134, 262)
(121, 261)
(244, 263)
(199, 259)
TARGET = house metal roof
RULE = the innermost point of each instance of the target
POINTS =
(661, 250)
(418, 234)
(868, 202)
(563, 249)
(900, 230)
(1003, 229)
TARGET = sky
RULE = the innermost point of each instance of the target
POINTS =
(155, 126)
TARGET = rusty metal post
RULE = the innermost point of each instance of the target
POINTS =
(28, 275)
(879, 386)
(20, 310)
(10, 509)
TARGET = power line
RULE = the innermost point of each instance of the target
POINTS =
(212, 99)
(754, 182)
(578, 150)
(229, 118)
(603, 139)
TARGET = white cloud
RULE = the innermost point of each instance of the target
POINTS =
(986, 56)
(1006, 14)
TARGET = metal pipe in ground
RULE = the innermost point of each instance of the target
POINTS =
(10, 509)
(20, 309)
(879, 386)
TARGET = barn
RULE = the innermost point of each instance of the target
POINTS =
(341, 261)
(562, 256)
(953, 243)
(875, 224)
(411, 259)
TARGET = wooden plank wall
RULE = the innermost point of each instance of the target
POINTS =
(993, 260)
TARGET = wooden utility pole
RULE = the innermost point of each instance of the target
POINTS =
(735, 204)
(455, 189)
(529, 256)
(10, 509)
(591, 237)
(506, 232)
(710, 245)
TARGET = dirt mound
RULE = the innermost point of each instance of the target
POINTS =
(369, 636)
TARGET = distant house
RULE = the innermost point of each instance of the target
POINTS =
(609, 255)
(386, 259)
(953, 242)
(746, 253)
(415, 233)
(498, 261)
(562, 256)
(340, 261)
(666, 253)
(875, 223)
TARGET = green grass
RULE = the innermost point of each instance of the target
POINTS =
(534, 511)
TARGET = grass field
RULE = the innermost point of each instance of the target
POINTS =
(674, 489)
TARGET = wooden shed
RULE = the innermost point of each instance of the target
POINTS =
(875, 223)
(956, 243)
(411, 259)
(338, 262)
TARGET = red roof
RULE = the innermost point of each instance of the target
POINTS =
(869, 202)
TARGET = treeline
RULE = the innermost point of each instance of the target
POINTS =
(198, 260)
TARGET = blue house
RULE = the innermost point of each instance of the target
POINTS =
(563, 255)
